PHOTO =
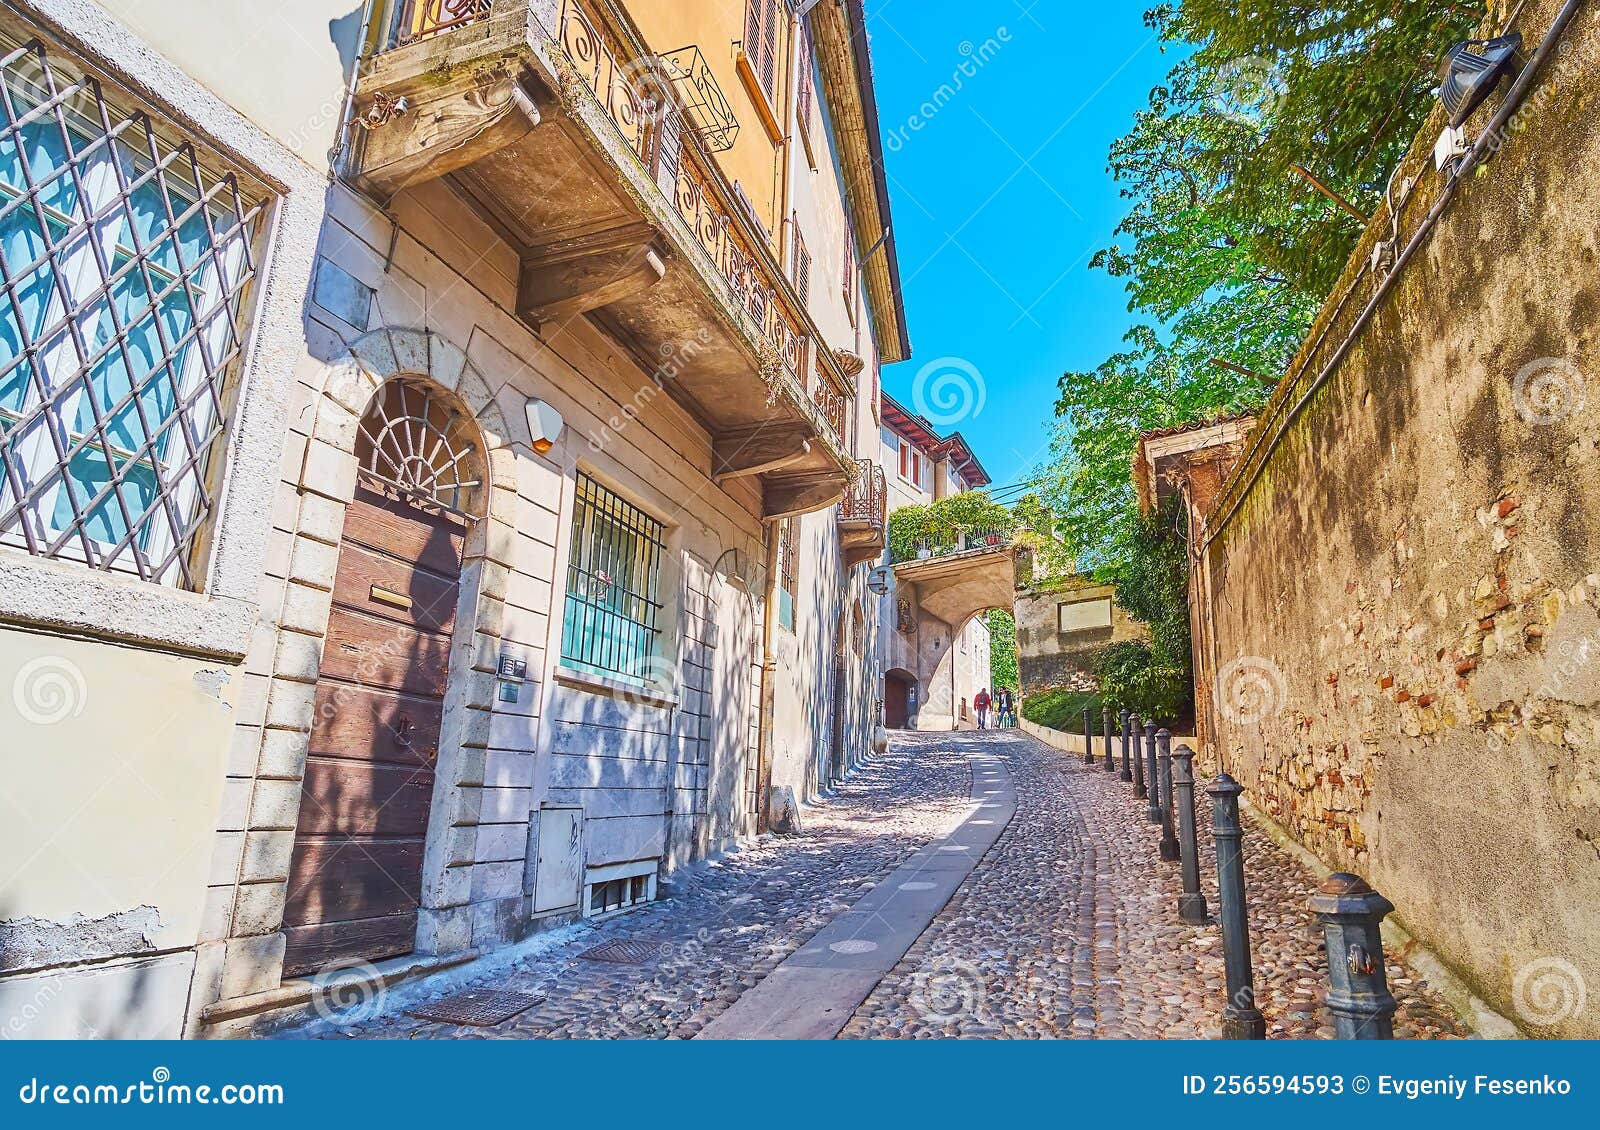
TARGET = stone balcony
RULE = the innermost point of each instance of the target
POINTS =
(593, 157)
(971, 573)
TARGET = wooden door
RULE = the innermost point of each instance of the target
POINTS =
(356, 877)
(896, 701)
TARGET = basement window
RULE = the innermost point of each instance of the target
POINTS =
(619, 887)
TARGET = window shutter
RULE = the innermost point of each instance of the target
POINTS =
(803, 101)
(769, 61)
(801, 265)
(849, 269)
(753, 11)
(761, 42)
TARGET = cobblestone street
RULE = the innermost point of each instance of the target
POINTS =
(1067, 928)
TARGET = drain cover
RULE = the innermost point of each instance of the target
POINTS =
(634, 952)
(477, 1007)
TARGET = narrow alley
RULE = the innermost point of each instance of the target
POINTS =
(1065, 928)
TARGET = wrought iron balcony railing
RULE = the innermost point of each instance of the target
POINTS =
(867, 500)
(958, 541)
(420, 19)
(833, 405)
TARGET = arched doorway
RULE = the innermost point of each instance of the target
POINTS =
(355, 881)
(899, 699)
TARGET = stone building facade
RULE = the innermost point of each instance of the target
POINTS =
(1401, 576)
(1063, 624)
(934, 652)
(514, 575)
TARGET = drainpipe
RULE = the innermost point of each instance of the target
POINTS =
(341, 141)
(769, 691)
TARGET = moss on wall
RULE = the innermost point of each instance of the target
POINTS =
(1407, 650)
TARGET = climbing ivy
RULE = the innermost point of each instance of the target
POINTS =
(1151, 677)
(940, 524)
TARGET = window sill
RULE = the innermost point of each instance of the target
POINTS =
(616, 687)
(758, 95)
(58, 596)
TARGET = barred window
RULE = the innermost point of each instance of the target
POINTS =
(787, 568)
(613, 611)
(124, 267)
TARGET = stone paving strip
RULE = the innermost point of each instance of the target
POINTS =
(1069, 929)
(814, 992)
(722, 926)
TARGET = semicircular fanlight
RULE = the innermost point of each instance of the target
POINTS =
(413, 441)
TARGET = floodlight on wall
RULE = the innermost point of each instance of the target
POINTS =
(1472, 70)
(544, 426)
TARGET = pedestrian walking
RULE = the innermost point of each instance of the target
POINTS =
(981, 702)
(1005, 709)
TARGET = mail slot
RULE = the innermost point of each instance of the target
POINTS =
(395, 599)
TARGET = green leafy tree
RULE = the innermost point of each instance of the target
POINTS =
(1003, 650)
(1040, 530)
(1226, 250)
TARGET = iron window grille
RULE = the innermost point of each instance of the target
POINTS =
(125, 266)
(612, 622)
(413, 442)
(612, 895)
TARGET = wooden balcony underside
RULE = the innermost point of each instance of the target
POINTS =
(639, 242)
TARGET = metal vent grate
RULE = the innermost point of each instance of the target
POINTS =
(634, 951)
(476, 1007)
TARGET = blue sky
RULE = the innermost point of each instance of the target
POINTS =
(1001, 196)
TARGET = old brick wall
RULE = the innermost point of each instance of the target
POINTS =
(1402, 593)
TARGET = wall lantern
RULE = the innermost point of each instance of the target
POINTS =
(878, 581)
(544, 426)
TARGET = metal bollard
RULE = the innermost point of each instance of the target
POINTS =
(1169, 837)
(1191, 904)
(1154, 809)
(1088, 739)
(1138, 760)
(1351, 914)
(1127, 773)
(1241, 1019)
(1105, 732)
